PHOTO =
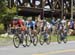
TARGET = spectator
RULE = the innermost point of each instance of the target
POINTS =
(72, 24)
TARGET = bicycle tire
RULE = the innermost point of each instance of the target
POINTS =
(14, 42)
(48, 40)
(28, 40)
(35, 40)
(41, 39)
(24, 41)
(65, 40)
(58, 38)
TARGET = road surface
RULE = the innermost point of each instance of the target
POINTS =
(52, 49)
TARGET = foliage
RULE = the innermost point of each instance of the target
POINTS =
(1, 28)
(2, 9)
(6, 14)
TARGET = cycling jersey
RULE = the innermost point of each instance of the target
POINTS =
(63, 22)
(53, 22)
(49, 25)
(30, 24)
(23, 28)
(20, 22)
(60, 26)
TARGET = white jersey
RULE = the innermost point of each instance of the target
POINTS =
(63, 22)
(26, 23)
(49, 25)
(41, 24)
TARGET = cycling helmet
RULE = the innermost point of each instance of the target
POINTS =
(58, 20)
(15, 18)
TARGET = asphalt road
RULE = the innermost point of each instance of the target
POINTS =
(52, 49)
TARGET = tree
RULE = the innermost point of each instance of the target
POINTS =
(2, 8)
(6, 14)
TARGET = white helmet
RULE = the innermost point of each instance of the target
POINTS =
(15, 18)
(58, 20)
(30, 18)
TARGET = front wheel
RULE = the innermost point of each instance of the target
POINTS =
(24, 41)
(16, 41)
(28, 40)
(48, 40)
(41, 39)
(65, 39)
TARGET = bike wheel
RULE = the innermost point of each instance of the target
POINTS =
(58, 38)
(24, 41)
(16, 41)
(65, 40)
(48, 40)
(28, 40)
(41, 39)
(35, 40)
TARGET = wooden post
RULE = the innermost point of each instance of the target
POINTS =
(71, 9)
(10, 3)
(62, 8)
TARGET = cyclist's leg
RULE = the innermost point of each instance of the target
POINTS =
(53, 30)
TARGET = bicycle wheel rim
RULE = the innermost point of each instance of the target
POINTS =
(16, 41)
(41, 40)
(35, 41)
(59, 39)
(24, 41)
(65, 40)
(28, 40)
(48, 40)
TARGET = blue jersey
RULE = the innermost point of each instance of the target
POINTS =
(53, 22)
(31, 24)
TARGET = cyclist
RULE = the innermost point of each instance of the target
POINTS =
(62, 28)
(13, 25)
(45, 26)
(58, 25)
(53, 23)
(31, 24)
(22, 29)
(21, 24)
(41, 26)
(64, 22)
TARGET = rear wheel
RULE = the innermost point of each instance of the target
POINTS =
(16, 41)
(58, 38)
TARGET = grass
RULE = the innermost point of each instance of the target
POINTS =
(6, 41)
(70, 38)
